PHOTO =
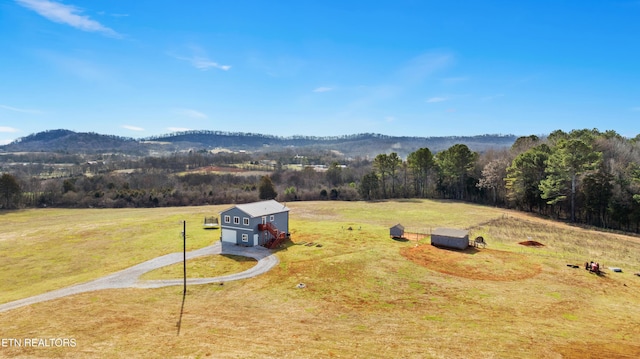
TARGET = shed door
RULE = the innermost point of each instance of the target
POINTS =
(229, 235)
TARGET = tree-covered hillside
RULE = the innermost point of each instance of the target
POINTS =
(584, 176)
(358, 145)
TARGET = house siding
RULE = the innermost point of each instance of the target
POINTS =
(255, 237)
(396, 231)
(450, 238)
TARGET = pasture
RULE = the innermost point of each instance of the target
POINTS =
(365, 295)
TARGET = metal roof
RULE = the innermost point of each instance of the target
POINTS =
(450, 232)
(263, 208)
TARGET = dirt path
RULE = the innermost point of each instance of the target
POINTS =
(128, 278)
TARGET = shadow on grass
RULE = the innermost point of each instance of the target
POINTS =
(179, 325)
(284, 246)
(407, 200)
(468, 250)
(238, 258)
(399, 200)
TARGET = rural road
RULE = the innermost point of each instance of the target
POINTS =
(128, 278)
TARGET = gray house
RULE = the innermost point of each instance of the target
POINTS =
(255, 224)
(450, 238)
(396, 231)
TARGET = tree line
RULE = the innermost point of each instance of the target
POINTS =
(583, 176)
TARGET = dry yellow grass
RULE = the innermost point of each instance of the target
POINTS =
(365, 299)
(47, 249)
(203, 267)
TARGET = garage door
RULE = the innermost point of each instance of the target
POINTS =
(228, 235)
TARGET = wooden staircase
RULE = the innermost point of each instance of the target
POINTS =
(277, 236)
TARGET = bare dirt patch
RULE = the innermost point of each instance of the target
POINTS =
(415, 236)
(485, 264)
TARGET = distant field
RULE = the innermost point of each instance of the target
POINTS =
(365, 295)
(236, 170)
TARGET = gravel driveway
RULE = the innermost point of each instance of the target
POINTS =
(128, 278)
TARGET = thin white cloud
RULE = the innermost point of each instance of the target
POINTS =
(103, 13)
(178, 129)
(411, 74)
(191, 113)
(323, 89)
(132, 128)
(203, 63)
(437, 99)
(420, 67)
(68, 15)
(390, 119)
(6, 129)
(200, 60)
(5, 141)
(21, 110)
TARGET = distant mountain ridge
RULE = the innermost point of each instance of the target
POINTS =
(364, 144)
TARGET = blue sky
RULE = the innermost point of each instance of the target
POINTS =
(407, 68)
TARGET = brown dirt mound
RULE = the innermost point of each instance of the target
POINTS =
(531, 244)
(485, 264)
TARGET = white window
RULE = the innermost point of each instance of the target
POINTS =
(245, 238)
(245, 221)
(227, 219)
(271, 218)
(236, 220)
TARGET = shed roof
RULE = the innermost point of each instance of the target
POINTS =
(399, 226)
(450, 232)
(263, 208)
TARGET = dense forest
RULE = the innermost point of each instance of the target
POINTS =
(584, 176)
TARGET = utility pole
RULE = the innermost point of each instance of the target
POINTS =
(184, 254)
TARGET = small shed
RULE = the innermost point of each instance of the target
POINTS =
(397, 231)
(450, 238)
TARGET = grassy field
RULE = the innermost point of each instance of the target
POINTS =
(46, 249)
(203, 267)
(365, 295)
